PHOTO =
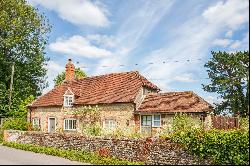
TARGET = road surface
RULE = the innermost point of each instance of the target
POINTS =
(11, 156)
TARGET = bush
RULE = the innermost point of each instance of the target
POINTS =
(224, 147)
(92, 129)
(15, 124)
(1, 135)
(244, 123)
(80, 156)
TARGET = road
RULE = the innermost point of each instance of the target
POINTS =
(10, 156)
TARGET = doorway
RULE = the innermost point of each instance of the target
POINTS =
(52, 125)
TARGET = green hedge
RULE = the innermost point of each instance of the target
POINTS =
(224, 147)
(80, 156)
(16, 124)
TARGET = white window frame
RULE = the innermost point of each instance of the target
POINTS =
(66, 102)
(111, 124)
(153, 120)
(68, 127)
(34, 121)
(66, 98)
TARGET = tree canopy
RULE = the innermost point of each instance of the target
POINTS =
(60, 77)
(229, 74)
(23, 37)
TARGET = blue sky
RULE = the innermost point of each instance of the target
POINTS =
(169, 40)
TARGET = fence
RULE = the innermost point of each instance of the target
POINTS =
(225, 122)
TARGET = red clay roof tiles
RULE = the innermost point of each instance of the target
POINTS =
(109, 88)
(174, 102)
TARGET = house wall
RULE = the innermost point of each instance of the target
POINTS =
(121, 113)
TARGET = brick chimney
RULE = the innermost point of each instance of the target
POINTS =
(70, 71)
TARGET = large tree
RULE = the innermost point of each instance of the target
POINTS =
(60, 77)
(23, 37)
(229, 74)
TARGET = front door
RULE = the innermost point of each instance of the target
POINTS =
(146, 124)
(52, 125)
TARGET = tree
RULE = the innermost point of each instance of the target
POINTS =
(60, 77)
(23, 37)
(229, 74)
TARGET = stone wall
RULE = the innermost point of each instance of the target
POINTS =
(121, 113)
(148, 150)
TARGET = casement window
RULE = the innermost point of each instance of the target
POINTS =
(110, 124)
(36, 122)
(151, 120)
(156, 120)
(69, 124)
(68, 100)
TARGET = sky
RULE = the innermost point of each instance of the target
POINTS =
(167, 41)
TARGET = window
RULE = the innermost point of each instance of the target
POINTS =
(109, 124)
(146, 120)
(157, 121)
(69, 124)
(36, 122)
(151, 120)
(68, 100)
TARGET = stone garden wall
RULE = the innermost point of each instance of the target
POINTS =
(149, 150)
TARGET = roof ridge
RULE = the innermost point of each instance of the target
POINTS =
(116, 73)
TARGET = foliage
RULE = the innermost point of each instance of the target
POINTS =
(1, 135)
(244, 123)
(87, 114)
(229, 74)
(92, 129)
(80, 156)
(16, 124)
(185, 122)
(23, 36)
(224, 147)
(21, 110)
(61, 77)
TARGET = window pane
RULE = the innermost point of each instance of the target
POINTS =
(156, 123)
(74, 124)
(157, 117)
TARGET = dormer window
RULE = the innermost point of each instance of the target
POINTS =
(68, 98)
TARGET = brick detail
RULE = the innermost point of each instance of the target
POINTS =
(70, 71)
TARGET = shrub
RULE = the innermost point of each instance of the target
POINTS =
(92, 129)
(244, 123)
(80, 156)
(224, 147)
(16, 124)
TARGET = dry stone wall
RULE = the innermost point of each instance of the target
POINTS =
(148, 150)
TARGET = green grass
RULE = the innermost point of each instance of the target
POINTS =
(74, 155)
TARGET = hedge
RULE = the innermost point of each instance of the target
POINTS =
(80, 156)
(223, 147)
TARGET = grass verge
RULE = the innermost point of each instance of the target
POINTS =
(74, 155)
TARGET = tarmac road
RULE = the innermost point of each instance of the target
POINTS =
(11, 156)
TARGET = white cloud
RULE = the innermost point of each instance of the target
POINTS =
(187, 77)
(229, 34)
(53, 70)
(104, 40)
(213, 100)
(235, 44)
(78, 12)
(230, 13)
(80, 46)
(222, 42)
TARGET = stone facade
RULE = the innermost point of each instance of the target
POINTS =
(122, 114)
(148, 150)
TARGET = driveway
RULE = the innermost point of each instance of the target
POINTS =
(10, 156)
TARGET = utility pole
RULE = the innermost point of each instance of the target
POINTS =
(11, 83)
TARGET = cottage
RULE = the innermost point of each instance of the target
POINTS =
(125, 100)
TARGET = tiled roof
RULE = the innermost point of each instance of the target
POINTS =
(174, 102)
(109, 88)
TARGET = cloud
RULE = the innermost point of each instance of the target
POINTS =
(213, 100)
(222, 42)
(241, 44)
(78, 12)
(79, 46)
(54, 69)
(231, 13)
(229, 34)
(103, 40)
(187, 77)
